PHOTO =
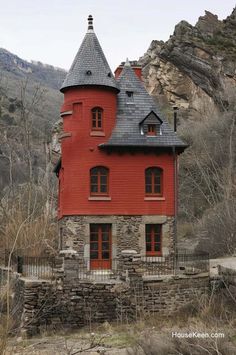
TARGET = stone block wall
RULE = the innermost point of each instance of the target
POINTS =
(128, 232)
(75, 304)
(164, 297)
(71, 302)
(39, 304)
(170, 295)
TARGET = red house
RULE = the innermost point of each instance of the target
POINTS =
(118, 167)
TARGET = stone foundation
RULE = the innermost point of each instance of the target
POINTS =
(128, 232)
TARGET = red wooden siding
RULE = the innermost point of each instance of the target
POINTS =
(80, 153)
(126, 184)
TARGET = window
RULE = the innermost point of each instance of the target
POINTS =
(97, 119)
(99, 181)
(130, 97)
(153, 239)
(154, 181)
(152, 130)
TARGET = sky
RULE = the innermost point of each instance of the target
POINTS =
(51, 31)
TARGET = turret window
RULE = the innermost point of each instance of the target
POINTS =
(99, 180)
(97, 119)
(154, 181)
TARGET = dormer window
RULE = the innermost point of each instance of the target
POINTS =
(130, 97)
(151, 129)
(150, 126)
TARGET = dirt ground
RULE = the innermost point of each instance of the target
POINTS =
(76, 343)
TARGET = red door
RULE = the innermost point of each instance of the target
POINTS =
(100, 246)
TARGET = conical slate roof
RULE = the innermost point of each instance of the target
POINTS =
(131, 112)
(90, 66)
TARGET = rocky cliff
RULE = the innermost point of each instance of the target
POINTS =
(196, 68)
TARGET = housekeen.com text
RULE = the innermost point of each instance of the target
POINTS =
(197, 335)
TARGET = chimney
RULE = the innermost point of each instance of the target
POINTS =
(134, 65)
(175, 108)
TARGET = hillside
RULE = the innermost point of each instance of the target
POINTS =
(29, 100)
(45, 74)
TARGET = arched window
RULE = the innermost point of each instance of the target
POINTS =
(154, 181)
(99, 180)
(97, 119)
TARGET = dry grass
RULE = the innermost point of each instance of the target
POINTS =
(150, 336)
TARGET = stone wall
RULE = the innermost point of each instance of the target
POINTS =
(71, 302)
(127, 232)
(151, 294)
(38, 304)
(75, 304)
(164, 297)
(171, 295)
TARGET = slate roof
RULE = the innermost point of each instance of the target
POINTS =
(127, 131)
(90, 58)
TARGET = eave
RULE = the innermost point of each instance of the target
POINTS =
(128, 148)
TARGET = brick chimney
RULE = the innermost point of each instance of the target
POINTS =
(134, 65)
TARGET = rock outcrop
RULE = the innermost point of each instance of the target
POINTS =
(196, 68)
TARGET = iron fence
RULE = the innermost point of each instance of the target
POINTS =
(36, 266)
(30, 266)
(184, 262)
(99, 270)
(157, 265)
(190, 263)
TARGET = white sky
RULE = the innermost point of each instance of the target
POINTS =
(51, 31)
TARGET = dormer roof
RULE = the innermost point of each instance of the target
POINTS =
(153, 116)
(90, 66)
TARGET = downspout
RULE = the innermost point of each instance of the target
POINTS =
(175, 192)
(175, 206)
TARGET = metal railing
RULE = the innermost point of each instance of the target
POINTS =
(157, 265)
(190, 263)
(36, 266)
(99, 270)
(183, 263)
(30, 266)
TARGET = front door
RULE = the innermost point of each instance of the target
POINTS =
(100, 246)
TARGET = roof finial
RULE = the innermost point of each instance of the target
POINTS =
(90, 22)
(127, 63)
